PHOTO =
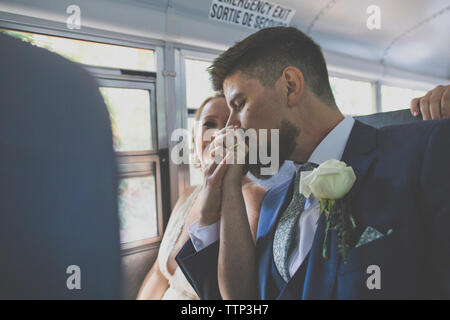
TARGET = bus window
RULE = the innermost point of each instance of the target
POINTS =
(352, 97)
(395, 98)
(130, 113)
(137, 208)
(198, 83)
(129, 109)
(131, 105)
(92, 53)
(198, 88)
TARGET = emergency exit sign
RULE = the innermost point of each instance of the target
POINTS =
(254, 14)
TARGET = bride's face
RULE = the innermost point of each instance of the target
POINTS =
(214, 116)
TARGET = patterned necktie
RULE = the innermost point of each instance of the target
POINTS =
(285, 232)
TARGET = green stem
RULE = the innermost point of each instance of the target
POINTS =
(326, 240)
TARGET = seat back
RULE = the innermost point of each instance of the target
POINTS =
(384, 119)
(135, 266)
(58, 180)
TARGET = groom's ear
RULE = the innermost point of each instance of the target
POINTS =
(294, 83)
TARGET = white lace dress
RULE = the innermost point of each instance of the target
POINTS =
(179, 287)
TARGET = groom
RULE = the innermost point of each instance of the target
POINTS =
(399, 247)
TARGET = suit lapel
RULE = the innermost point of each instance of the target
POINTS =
(321, 273)
(274, 203)
(295, 285)
(357, 153)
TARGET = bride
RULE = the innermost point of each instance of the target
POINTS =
(165, 279)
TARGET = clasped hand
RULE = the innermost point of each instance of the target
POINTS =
(223, 166)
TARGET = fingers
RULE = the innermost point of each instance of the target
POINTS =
(233, 141)
(217, 156)
(445, 102)
(217, 153)
(435, 102)
(209, 168)
(228, 137)
(434, 105)
(415, 109)
(221, 132)
(215, 172)
(240, 148)
(215, 150)
(221, 168)
(424, 106)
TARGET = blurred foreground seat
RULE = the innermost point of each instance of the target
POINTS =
(58, 180)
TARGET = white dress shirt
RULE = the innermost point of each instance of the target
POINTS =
(331, 147)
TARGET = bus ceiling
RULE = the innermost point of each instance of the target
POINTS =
(381, 34)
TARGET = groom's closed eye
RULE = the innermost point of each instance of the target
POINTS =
(238, 105)
(237, 101)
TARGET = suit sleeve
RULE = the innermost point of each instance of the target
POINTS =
(435, 196)
(200, 269)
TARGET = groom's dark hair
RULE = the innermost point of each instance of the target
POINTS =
(265, 54)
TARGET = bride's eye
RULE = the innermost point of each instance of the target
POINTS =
(210, 124)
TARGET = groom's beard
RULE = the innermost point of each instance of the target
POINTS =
(287, 138)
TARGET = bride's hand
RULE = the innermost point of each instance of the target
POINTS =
(211, 193)
(231, 139)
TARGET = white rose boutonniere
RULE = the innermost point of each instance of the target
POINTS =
(331, 180)
(329, 183)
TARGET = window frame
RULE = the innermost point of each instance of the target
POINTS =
(143, 159)
(145, 81)
(117, 78)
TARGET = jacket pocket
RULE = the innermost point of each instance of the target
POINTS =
(376, 252)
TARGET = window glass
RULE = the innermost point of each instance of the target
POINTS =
(92, 53)
(352, 97)
(137, 208)
(395, 98)
(198, 83)
(198, 88)
(129, 110)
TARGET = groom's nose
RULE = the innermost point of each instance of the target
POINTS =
(233, 120)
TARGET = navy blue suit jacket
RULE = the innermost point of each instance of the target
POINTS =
(403, 184)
